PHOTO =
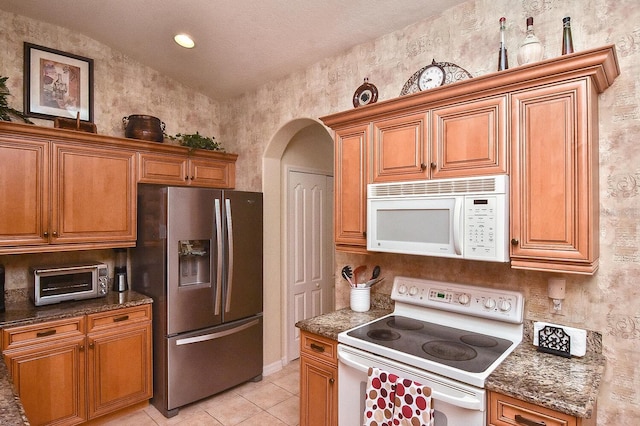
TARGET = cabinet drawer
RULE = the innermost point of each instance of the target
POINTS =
(119, 318)
(35, 334)
(319, 347)
(508, 411)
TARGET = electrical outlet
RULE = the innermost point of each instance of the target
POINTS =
(553, 311)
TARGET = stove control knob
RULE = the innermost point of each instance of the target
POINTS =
(464, 299)
(402, 289)
(489, 303)
(504, 306)
(413, 291)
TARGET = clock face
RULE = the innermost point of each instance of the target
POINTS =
(432, 76)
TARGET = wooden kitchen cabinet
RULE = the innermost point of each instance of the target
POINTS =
(554, 180)
(119, 367)
(318, 380)
(193, 169)
(76, 369)
(470, 139)
(47, 362)
(400, 149)
(507, 411)
(351, 178)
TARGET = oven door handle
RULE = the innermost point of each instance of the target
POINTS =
(466, 401)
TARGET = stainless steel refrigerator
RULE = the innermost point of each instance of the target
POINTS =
(199, 256)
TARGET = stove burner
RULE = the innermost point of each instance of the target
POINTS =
(381, 334)
(401, 323)
(479, 340)
(452, 351)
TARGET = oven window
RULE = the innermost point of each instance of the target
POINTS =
(66, 284)
(414, 225)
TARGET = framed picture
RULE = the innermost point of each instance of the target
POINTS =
(57, 84)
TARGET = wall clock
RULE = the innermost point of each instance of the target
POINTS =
(366, 94)
(434, 75)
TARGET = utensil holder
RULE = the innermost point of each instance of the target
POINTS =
(360, 300)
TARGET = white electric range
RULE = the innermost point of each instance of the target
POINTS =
(447, 336)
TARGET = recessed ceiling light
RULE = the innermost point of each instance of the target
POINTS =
(184, 40)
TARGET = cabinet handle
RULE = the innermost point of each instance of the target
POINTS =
(434, 165)
(91, 345)
(332, 380)
(122, 318)
(317, 348)
(46, 234)
(191, 177)
(514, 242)
(55, 233)
(186, 178)
(46, 333)
(423, 166)
(525, 421)
(81, 348)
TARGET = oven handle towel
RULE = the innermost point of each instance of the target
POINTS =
(464, 401)
(392, 400)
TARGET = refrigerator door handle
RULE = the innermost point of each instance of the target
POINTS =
(220, 253)
(213, 336)
(227, 306)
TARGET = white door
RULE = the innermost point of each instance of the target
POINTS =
(310, 282)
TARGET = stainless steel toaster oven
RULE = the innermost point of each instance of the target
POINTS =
(53, 284)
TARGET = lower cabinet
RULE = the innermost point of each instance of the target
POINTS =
(318, 381)
(72, 370)
(507, 411)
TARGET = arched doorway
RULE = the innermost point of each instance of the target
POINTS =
(314, 145)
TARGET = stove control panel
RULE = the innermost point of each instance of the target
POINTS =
(503, 305)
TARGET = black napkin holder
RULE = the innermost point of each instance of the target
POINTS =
(554, 340)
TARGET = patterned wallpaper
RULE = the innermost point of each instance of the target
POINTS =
(468, 36)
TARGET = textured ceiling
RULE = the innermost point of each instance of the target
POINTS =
(240, 44)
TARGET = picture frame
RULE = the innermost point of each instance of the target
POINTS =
(57, 84)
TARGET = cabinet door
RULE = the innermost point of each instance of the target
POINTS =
(50, 381)
(318, 393)
(119, 368)
(554, 199)
(24, 189)
(94, 194)
(506, 411)
(400, 149)
(163, 169)
(470, 139)
(211, 173)
(351, 156)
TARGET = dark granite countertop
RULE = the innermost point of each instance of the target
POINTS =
(20, 311)
(567, 385)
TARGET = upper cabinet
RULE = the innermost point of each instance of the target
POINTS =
(66, 190)
(537, 123)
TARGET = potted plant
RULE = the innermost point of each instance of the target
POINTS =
(197, 141)
(6, 112)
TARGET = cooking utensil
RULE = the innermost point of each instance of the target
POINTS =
(347, 274)
(359, 274)
(376, 272)
(373, 282)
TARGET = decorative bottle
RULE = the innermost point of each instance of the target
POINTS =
(503, 61)
(531, 49)
(567, 40)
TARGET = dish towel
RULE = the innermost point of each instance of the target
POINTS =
(380, 397)
(412, 404)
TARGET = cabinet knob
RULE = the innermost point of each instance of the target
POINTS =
(191, 177)
(55, 233)
(434, 165)
(81, 348)
(46, 234)
(423, 166)
(332, 380)
(514, 242)
(186, 178)
(91, 345)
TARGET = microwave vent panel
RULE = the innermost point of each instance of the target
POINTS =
(484, 185)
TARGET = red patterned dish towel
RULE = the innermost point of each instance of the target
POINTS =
(379, 401)
(412, 406)
(392, 401)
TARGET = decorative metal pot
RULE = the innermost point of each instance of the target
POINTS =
(143, 127)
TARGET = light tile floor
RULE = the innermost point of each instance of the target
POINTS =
(274, 401)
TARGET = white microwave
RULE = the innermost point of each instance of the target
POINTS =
(465, 218)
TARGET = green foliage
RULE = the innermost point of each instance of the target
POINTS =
(197, 141)
(7, 112)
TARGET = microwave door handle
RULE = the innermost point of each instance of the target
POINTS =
(227, 306)
(219, 256)
(457, 226)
